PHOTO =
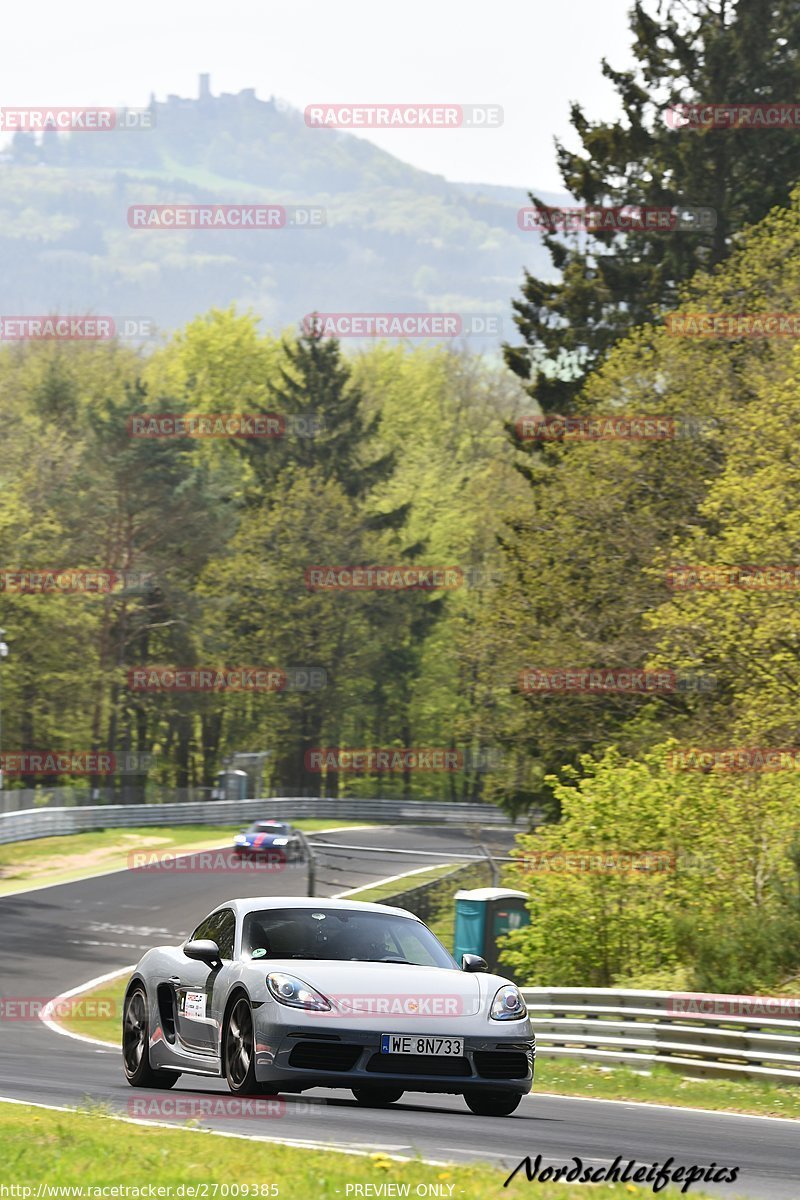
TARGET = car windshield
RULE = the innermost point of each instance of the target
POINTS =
(341, 935)
(268, 827)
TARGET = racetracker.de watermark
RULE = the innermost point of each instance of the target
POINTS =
(186, 1107)
(626, 218)
(73, 1008)
(75, 762)
(76, 120)
(600, 862)
(708, 1004)
(611, 427)
(612, 679)
(76, 582)
(745, 577)
(732, 325)
(208, 679)
(230, 861)
(737, 115)
(227, 679)
(383, 579)
(226, 216)
(404, 116)
(734, 758)
(378, 1005)
(402, 324)
(252, 426)
(41, 328)
(372, 759)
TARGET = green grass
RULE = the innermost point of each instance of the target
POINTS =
(566, 1077)
(78, 855)
(89, 1148)
(97, 1013)
(374, 895)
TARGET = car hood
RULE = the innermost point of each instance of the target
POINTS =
(357, 989)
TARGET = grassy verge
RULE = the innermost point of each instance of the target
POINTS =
(416, 878)
(87, 1149)
(79, 855)
(567, 1077)
(97, 1013)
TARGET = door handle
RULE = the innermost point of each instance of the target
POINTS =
(174, 979)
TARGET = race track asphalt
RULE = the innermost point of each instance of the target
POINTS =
(54, 939)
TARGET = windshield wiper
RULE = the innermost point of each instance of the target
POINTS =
(401, 961)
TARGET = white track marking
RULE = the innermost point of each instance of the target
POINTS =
(389, 879)
(46, 1014)
(673, 1108)
(343, 829)
(354, 1148)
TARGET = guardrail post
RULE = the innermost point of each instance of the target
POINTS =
(493, 867)
(311, 865)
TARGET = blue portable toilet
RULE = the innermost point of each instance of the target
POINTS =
(482, 916)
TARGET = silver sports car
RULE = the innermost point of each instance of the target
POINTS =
(279, 995)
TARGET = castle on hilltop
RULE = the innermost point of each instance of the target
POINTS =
(246, 96)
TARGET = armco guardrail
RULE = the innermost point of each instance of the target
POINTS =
(694, 1034)
(20, 799)
(47, 822)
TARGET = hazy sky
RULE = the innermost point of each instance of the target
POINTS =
(532, 58)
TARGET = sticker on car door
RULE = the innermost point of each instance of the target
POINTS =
(194, 1005)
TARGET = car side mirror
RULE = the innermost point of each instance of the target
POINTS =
(203, 950)
(473, 962)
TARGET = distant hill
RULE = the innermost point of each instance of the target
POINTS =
(396, 239)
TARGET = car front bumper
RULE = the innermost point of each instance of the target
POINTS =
(294, 1059)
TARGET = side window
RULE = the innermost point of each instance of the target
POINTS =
(226, 932)
(220, 927)
(205, 929)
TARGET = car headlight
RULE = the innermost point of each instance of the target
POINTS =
(508, 1004)
(279, 841)
(292, 991)
(240, 840)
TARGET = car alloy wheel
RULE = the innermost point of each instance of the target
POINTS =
(135, 1045)
(134, 1031)
(240, 1055)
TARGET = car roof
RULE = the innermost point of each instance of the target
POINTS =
(258, 903)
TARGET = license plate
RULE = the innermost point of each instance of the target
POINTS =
(408, 1043)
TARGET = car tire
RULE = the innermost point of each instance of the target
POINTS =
(239, 1050)
(492, 1104)
(136, 1044)
(374, 1097)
